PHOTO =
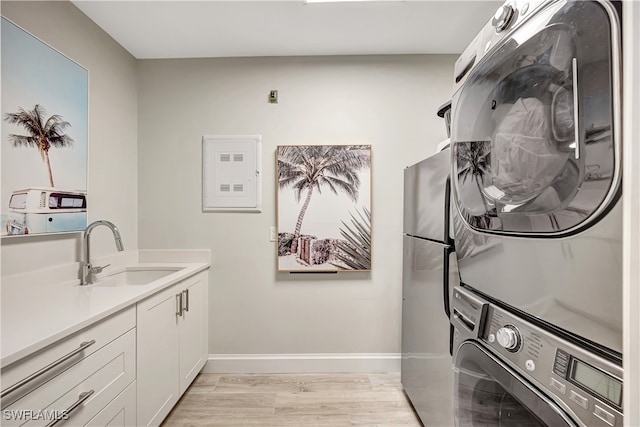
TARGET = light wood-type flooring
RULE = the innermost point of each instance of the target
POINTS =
(286, 400)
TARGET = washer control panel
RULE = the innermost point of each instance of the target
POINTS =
(583, 383)
(507, 18)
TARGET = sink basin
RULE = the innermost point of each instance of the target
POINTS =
(134, 276)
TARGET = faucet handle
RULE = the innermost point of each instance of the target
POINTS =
(98, 270)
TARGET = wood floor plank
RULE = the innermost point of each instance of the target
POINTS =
(365, 402)
(385, 380)
(206, 380)
(387, 419)
(292, 383)
(204, 405)
(304, 400)
(242, 420)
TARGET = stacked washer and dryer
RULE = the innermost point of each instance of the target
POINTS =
(536, 319)
(537, 189)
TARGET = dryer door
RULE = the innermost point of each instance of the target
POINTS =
(536, 150)
(488, 393)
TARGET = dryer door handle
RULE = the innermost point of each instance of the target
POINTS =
(576, 109)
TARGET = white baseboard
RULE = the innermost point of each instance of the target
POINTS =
(302, 363)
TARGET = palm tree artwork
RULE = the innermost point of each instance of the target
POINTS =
(42, 133)
(474, 163)
(311, 169)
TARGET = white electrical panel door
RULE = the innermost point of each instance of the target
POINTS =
(231, 175)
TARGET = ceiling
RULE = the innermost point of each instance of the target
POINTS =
(235, 28)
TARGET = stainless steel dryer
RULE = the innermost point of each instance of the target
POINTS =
(536, 168)
(510, 372)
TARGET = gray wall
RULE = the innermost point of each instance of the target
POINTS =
(389, 102)
(112, 181)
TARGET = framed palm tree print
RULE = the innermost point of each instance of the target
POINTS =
(324, 207)
(45, 120)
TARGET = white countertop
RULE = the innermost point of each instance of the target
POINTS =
(37, 312)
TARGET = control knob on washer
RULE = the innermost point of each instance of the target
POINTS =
(503, 17)
(509, 338)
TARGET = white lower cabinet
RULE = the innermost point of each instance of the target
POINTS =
(74, 392)
(172, 346)
(129, 369)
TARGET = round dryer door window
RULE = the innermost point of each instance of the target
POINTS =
(534, 135)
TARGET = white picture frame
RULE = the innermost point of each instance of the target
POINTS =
(45, 137)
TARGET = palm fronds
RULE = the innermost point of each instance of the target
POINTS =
(473, 159)
(41, 134)
(355, 250)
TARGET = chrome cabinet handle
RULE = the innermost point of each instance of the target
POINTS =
(576, 113)
(179, 304)
(81, 399)
(186, 294)
(22, 383)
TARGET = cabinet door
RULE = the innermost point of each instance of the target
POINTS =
(193, 329)
(157, 356)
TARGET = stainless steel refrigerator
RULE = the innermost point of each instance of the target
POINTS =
(429, 273)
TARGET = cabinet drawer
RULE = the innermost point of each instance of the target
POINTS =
(106, 372)
(102, 333)
(119, 413)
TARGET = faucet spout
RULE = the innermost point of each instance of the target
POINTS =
(119, 245)
(87, 269)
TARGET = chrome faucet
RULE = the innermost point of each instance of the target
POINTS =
(87, 270)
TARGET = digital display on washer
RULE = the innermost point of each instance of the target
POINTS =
(596, 381)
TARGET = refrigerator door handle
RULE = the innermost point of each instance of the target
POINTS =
(451, 329)
(445, 281)
(447, 212)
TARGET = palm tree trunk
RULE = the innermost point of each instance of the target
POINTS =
(296, 233)
(46, 160)
(484, 201)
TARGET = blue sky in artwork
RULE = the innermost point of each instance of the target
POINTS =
(34, 73)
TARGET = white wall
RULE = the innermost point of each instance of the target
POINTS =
(389, 102)
(112, 180)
